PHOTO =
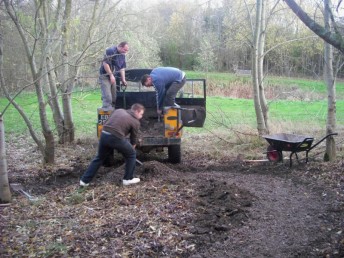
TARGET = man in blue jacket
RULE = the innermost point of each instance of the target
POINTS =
(167, 81)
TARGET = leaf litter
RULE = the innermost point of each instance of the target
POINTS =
(199, 208)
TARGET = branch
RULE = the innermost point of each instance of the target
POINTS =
(335, 39)
(286, 42)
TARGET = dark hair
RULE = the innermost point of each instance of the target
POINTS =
(123, 43)
(137, 107)
(144, 78)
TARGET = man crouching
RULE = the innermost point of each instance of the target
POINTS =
(119, 125)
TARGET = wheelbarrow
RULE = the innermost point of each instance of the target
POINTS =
(290, 142)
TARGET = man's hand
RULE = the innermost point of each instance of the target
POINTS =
(112, 79)
(159, 111)
(124, 82)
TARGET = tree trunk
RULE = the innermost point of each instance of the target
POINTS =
(5, 193)
(332, 37)
(330, 153)
(257, 69)
(54, 99)
(50, 30)
(261, 47)
(48, 150)
(67, 81)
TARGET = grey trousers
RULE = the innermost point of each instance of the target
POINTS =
(172, 92)
(108, 92)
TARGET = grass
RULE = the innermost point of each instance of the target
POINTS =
(222, 112)
(307, 85)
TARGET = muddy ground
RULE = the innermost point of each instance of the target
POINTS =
(199, 208)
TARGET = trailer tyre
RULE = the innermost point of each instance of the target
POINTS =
(174, 154)
(274, 155)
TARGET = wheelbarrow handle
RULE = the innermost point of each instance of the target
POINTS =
(331, 134)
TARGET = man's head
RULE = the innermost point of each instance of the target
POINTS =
(138, 110)
(146, 80)
(123, 47)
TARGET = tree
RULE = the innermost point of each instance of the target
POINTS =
(330, 152)
(50, 31)
(67, 82)
(333, 37)
(60, 45)
(48, 148)
(5, 193)
(259, 99)
(51, 64)
(180, 41)
(206, 58)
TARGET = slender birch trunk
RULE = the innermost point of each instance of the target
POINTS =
(48, 150)
(5, 193)
(257, 69)
(330, 153)
(67, 82)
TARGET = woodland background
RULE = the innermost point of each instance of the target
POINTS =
(192, 35)
(54, 48)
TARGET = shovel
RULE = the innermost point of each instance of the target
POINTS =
(19, 188)
(139, 162)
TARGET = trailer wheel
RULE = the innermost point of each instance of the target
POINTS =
(274, 155)
(174, 154)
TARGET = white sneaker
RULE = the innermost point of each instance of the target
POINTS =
(83, 183)
(135, 180)
(176, 105)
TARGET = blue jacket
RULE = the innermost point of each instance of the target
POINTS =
(114, 59)
(162, 78)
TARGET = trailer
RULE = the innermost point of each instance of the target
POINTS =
(161, 132)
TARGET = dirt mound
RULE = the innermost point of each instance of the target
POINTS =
(221, 206)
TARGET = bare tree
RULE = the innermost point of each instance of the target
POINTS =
(259, 99)
(330, 153)
(67, 83)
(50, 32)
(5, 193)
(333, 37)
(48, 148)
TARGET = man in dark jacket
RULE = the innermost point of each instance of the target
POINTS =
(119, 125)
(111, 72)
(167, 81)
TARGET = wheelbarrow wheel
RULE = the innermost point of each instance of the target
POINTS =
(274, 155)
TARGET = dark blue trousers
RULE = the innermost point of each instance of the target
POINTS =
(107, 144)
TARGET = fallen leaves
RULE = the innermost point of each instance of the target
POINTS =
(175, 211)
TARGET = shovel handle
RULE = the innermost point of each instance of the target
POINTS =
(27, 195)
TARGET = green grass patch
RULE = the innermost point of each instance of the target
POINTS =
(84, 106)
(285, 116)
(308, 85)
(222, 112)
